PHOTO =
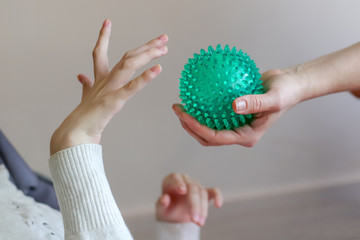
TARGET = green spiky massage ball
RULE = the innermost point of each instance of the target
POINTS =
(212, 80)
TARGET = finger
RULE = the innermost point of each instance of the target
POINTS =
(174, 182)
(215, 193)
(157, 42)
(163, 202)
(204, 204)
(256, 103)
(193, 200)
(179, 111)
(127, 66)
(193, 134)
(213, 137)
(100, 58)
(86, 83)
(186, 178)
(202, 131)
(132, 87)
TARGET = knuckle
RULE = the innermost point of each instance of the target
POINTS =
(129, 63)
(196, 183)
(256, 104)
(132, 85)
(251, 143)
(95, 52)
(127, 55)
(153, 51)
(107, 102)
(193, 187)
(147, 75)
(112, 102)
(195, 205)
(280, 104)
(174, 175)
(152, 42)
(186, 176)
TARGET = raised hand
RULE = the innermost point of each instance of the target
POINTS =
(110, 90)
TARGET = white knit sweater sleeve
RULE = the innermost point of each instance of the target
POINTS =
(87, 205)
(86, 202)
(177, 231)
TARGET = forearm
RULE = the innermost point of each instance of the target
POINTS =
(335, 72)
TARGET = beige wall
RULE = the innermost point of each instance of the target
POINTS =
(45, 44)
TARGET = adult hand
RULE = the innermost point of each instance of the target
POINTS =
(283, 90)
(107, 94)
(185, 200)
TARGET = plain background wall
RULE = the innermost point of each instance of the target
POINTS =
(45, 44)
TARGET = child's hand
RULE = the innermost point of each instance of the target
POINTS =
(107, 94)
(185, 200)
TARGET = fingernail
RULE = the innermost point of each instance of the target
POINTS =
(163, 37)
(156, 68)
(182, 188)
(107, 22)
(196, 217)
(240, 105)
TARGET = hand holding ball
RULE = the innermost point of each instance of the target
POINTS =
(212, 80)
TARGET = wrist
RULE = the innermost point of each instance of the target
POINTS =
(60, 140)
(335, 72)
(65, 137)
(302, 82)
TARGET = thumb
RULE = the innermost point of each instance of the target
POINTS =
(86, 83)
(256, 103)
(163, 203)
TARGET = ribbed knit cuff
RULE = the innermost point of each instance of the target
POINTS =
(177, 231)
(86, 201)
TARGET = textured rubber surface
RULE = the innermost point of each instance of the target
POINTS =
(212, 80)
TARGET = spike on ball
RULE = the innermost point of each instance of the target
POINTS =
(212, 80)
